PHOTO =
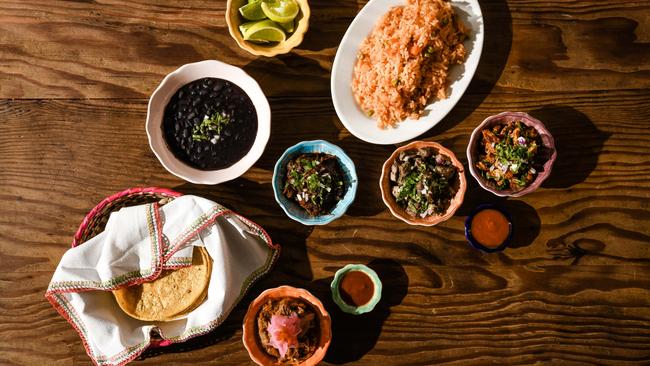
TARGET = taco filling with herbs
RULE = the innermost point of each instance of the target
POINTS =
(315, 181)
(423, 182)
(509, 155)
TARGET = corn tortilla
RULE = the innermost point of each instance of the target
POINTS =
(174, 293)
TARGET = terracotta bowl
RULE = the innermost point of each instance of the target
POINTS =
(251, 342)
(547, 141)
(234, 20)
(399, 212)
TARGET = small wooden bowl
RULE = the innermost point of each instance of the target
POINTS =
(250, 337)
(234, 20)
(397, 210)
(547, 141)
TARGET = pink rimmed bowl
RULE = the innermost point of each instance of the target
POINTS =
(547, 141)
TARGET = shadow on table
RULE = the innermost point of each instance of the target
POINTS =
(296, 115)
(497, 42)
(289, 75)
(578, 143)
(368, 160)
(224, 332)
(475, 195)
(354, 335)
(526, 223)
(328, 22)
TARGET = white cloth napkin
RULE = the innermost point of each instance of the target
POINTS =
(137, 244)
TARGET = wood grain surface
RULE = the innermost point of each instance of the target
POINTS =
(573, 290)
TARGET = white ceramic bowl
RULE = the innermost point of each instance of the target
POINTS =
(364, 127)
(186, 74)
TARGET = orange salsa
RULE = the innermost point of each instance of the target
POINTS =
(490, 228)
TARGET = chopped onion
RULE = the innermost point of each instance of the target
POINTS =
(521, 141)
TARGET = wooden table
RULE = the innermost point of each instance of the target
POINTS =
(574, 289)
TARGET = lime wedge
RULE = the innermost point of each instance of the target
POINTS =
(244, 27)
(254, 1)
(288, 26)
(264, 31)
(252, 11)
(281, 11)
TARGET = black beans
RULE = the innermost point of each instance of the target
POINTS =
(204, 98)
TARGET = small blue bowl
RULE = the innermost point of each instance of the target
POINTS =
(291, 208)
(474, 242)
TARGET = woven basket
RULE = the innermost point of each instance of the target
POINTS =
(95, 221)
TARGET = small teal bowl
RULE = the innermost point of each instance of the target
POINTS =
(336, 294)
(291, 208)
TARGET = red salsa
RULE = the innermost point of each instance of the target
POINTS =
(356, 288)
(490, 228)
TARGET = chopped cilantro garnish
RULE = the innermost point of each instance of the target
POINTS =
(213, 124)
(508, 155)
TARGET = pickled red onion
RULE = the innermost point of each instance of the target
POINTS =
(283, 331)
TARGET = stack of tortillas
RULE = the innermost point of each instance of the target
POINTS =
(173, 294)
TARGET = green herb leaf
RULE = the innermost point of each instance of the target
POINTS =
(214, 124)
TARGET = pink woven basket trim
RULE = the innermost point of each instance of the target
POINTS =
(156, 343)
(156, 267)
(115, 197)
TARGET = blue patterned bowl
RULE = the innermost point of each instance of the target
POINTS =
(291, 208)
